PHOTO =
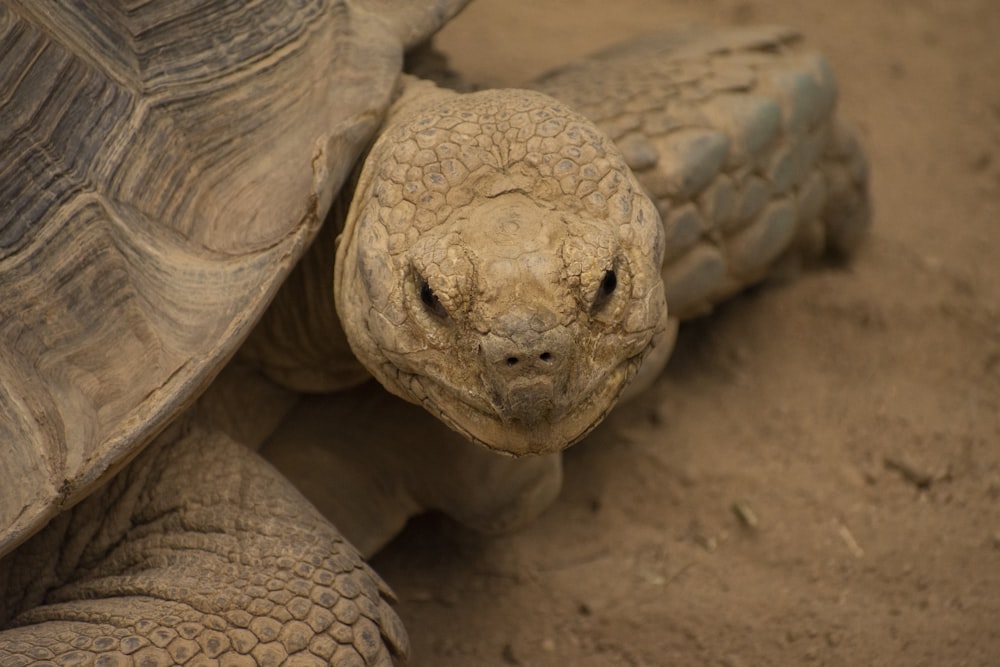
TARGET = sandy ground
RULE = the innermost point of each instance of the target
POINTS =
(854, 413)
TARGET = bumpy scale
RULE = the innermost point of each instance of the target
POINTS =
(500, 265)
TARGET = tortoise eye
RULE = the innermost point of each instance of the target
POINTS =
(608, 284)
(431, 301)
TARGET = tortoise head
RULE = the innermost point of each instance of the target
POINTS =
(500, 266)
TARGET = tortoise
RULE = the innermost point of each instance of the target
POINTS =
(173, 354)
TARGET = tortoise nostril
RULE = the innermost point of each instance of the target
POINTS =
(527, 356)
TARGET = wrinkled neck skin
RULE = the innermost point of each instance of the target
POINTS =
(500, 266)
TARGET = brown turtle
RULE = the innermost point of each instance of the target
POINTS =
(500, 261)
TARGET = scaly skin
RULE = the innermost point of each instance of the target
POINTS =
(198, 553)
(500, 266)
(734, 135)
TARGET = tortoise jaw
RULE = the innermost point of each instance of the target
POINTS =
(529, 402)
(529, 431)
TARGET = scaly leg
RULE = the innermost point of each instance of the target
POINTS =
(733, 133)
(198, 551)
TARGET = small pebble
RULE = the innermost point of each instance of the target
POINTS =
(745, 514)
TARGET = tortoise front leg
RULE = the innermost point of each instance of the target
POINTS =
(197, 553)
(735, 136)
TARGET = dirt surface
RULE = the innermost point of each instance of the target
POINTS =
(816, 478)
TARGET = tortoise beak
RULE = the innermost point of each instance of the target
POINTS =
(526, 373)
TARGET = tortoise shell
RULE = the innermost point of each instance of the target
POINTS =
(162, 167)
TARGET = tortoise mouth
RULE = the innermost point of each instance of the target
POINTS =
(484, 424)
